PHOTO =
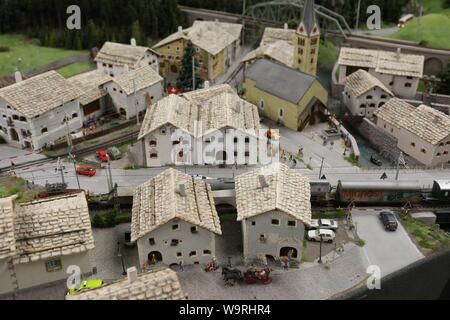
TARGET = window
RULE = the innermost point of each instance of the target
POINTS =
(362, 106)
(194, 229)
(300, 51)
(235, 140)
(175, 227)
(22, 119)
(261, 104)
(301, 42)
(253, 223)
(175, 142)
(409, 77)
(448, 142)
(152, 143)
(280, 113)
(15, 117)
(313, 51)
(178, 48)
(292, 223)
(445, 152)
(383, 96)
(276, 222)
(53, 265)
(153, 155)
(438, 154)
(314, 41)
(206, 252)
(391, 83)
(179, 254)
(408, 85)
(413, 144)
(114, 89)
(44, 130)
(75, 115)
(163, 131)
(193, 253)
(423, 150)
(247, 140)
(247, 154)
(369, 97)
(174, 242)
(151, 241)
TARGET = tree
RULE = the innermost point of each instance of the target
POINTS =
(184, 80)
(136, 32)
(443, 87)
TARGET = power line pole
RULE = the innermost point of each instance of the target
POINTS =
(75, 169)
(402, 160)
(321, 167)
(357, 15)
(61, 170)
(135, 102)
(110, 177)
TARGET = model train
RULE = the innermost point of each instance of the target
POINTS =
(367, 192)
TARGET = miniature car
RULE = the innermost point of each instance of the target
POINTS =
(388, 220)
(324, 224)
(325, 234)
(102, 155)
(84, 285)
(115, 153)
(86, 170)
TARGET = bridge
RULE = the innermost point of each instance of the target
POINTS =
(276, 13)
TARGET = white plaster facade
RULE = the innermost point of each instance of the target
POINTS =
(40, 130)
(272, 234)
(365, 104)
(195, 245)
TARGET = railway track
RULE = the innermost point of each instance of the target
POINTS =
(77, 153)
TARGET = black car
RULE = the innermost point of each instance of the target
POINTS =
(389, 221)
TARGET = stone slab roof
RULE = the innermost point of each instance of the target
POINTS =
(90, 83)
(121, 54)
(427, 123)
(386, 62)
(52, 227)
(40, 94)
(211, 36)
(7, 240)
(159, 284)
(394, 111)
(286, 191)
(359, 82)
(143, 78)
(211, 108)
(280, 80)
(160, 200)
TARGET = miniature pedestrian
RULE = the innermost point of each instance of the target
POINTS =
(153, 260)
(300, 152)
(181, 266)
(264, 261)
(214, 263)
(283, 264)
(383, 176)
(294, 163)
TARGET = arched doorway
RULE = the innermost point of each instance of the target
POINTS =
(154, 257)
(433, 66)
(123, 112)
(284, 252)
(14, 135)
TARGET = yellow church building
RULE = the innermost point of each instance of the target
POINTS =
(291, 95)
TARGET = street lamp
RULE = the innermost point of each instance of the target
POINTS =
(320, 248)
(119, 254)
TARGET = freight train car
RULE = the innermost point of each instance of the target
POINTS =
(379, 192)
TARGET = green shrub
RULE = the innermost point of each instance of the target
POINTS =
(361, 242)
(110, 219)
(4, 49)
(97, 221)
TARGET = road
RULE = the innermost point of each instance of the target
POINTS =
(380, 32)
(391, 251)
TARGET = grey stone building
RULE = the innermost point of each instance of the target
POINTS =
(273, 204)
(174, 220)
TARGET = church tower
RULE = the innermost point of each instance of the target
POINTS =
(307, 40)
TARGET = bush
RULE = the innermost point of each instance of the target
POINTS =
(361, 242)
(97, 221)
(110, 219)
(4, 49)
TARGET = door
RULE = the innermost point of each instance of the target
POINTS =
(288, 251)
(14, 135)
(154, 257)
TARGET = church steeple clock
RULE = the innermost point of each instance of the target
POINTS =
(307, 41)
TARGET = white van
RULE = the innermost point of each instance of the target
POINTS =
(325, 234)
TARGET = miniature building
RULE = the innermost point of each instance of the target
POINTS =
(194, 119)
(135, 90)
(423, 132)
(273, 203)
(40, 239)
(34, 112)
(174, 219)
(286, 95)
(159, 284)
(276, 45)
(307, 41)
(93, 100)
(399, 72)
(364, 94)
(116, 58)
(217, 45)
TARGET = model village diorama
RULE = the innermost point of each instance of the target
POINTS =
(171, 132)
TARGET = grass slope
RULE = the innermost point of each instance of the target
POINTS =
(31, 54)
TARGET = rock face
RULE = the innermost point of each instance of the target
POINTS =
(385, 144)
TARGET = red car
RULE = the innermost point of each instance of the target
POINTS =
(86, 171)
(102, 155)
(173, 90)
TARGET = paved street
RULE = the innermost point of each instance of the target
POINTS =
(390, 251)
(16, 155)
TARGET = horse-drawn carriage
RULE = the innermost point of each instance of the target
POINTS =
(252, 275)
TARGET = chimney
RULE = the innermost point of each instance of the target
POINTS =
(206, 84)
(18, 76)
(180, 29)
(182, 189)
(132, 274)
(133, 42)
(263, 181)
(285, 26)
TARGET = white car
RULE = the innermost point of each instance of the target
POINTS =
(324, 224)
(327, 235)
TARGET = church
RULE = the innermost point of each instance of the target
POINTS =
(290, 93)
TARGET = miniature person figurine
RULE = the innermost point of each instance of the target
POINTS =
(383, 176)
(153, 261)
(214, 263)
(181, 266)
